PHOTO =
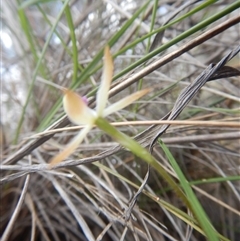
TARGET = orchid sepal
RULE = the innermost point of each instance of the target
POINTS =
(121, 104)
(102, 94)
(71, 147)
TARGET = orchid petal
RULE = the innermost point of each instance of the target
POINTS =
(76, 109)
(71, 147)
(121, 104)
(102, 94)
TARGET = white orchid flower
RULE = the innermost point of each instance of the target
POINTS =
(80, 114)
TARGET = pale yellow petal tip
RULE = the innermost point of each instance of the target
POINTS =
(137, 95)
(147, 90)
(107, 75)
(108, 61)
(54, 161)
(107, 52)
(60, 157)
(64, 90)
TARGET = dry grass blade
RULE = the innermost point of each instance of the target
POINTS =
(184, 98)
(189, 92)
(87, 197)
(158, 38)
(27, 148)
(16, 212)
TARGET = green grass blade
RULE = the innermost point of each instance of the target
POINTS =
(74, 43)
(28, 3)
(153, 20)
(92, 67)
(36, 71)
(55, 31)
(141, 152)
(180, 37)
(215, 180)
(196, 207)
(32, 44)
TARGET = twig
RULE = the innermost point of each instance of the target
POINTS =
(189, 92)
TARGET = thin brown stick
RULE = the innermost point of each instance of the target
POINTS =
(152, 122)
(169, 57)
(23, 170)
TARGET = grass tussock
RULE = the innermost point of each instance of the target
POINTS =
(192, 192)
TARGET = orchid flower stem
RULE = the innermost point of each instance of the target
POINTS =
(142, 153)
(194, 206)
